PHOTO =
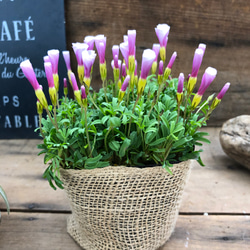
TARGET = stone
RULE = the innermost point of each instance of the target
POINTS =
(235, 139)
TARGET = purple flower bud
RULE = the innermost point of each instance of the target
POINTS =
(223, 91)
(207, 78)
(119, 63)
(49, 74)
(180, 83)
(115, 51)
(135, 73)
(125, 83)
(148, 57)
(83, 93)
(162, 31)
(54, 58)
(156, 49)
(88, 58)
(101, 53)
(90, 40)
(160, 67)
(100, 43)
(28, 71)
(73, 80)
(125, 51)
(198, 56)
(66, 57)
(46, 59)
(125, 38)
(131, 42)
(78, 49)
(65, 83)
(116, 61)
(202, 46)
(172, 60)
(124, 73)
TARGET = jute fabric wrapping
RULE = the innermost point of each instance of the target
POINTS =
(124, 207)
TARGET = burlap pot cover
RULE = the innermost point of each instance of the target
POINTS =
(124, 207)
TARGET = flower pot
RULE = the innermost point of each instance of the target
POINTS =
(124, 207)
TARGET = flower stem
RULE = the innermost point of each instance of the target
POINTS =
(51, 119)
(87, 132)
(55, 117)
(105, 139)
(186, 102)
(104, 86)
(40, 125)
(129, 127)
(92, 100)
(178, 113)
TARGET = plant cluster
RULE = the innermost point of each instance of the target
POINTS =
(133, 120)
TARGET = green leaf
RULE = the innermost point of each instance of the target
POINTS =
(114, 122)
(192, 155)
(124, 119)
(157, 142)
(180, 142)
(124, 147)
(105, 118)
(200, 161)
(92, 162)
(149, 137)
(172, 127)
(167, 166)
(3, 194)
(95, 122)
(114, 145)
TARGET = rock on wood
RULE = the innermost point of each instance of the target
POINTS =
(235, 139)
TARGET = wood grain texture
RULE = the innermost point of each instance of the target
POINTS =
(223, 25)
(41, 231)
(221, 186)
(212, 189)
(214, 211)
(210, 232)
(23, 231)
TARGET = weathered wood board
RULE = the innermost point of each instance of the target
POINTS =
(41, 231)
(38, 231)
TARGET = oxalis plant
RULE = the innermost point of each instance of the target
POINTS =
(140, 120)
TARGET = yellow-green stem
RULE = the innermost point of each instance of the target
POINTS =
(105, 90)
(40, 125)
(55, 116)
(51, 119)
(105, 139)
(129, 127)
(87, 132)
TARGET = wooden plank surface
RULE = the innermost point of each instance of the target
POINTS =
(210, 233)
(41, 231)
(21, 177)
(220, 187)
(214, 213)
(35, 231)
(223, 25)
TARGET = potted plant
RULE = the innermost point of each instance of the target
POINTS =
(122, 153)
(4, 196)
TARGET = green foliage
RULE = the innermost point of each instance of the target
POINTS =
(139, 130)
(4, 196)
